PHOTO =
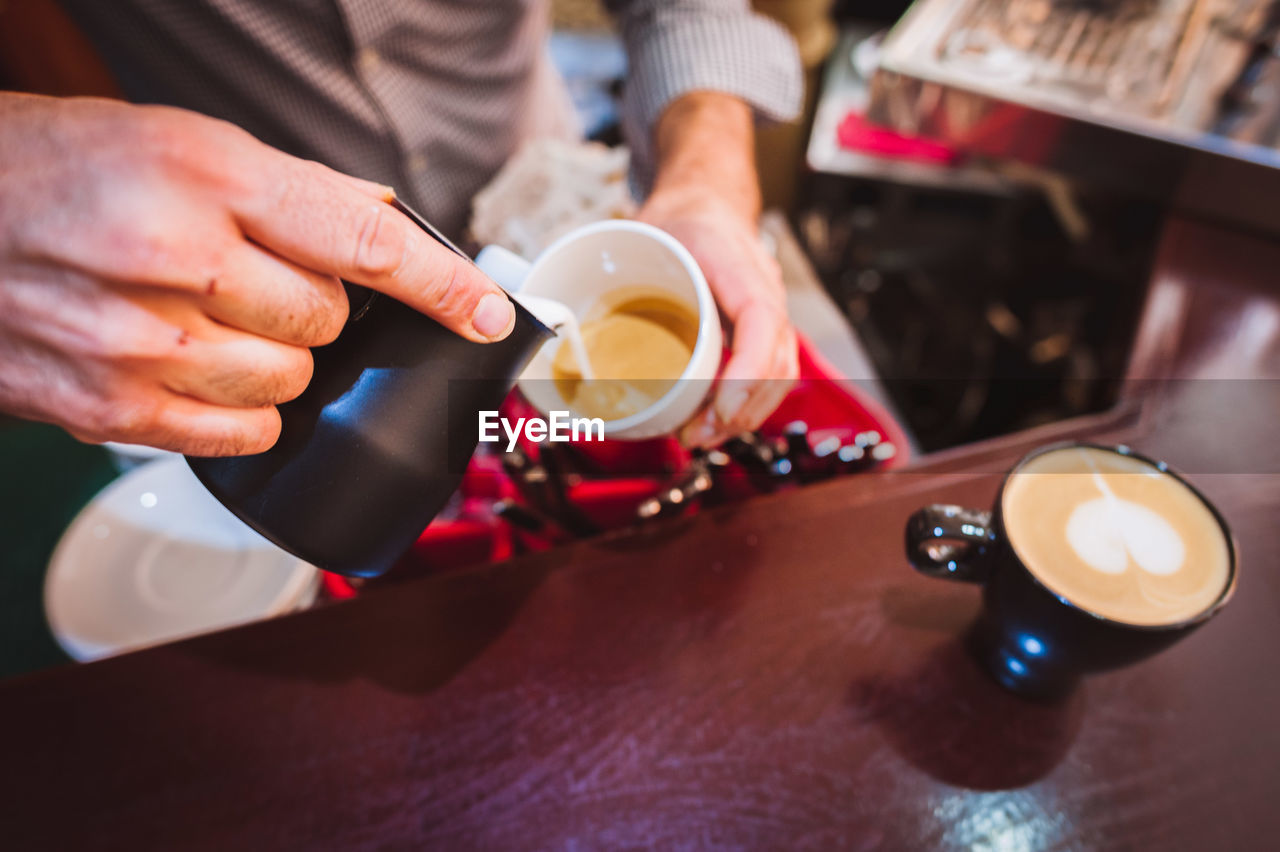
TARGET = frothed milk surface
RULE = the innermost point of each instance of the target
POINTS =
(1114, 535)
(637, 347)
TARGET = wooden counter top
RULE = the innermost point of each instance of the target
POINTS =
(769, 675)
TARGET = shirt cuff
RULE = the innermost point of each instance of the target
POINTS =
(673, 52)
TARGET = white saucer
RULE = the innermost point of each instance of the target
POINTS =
(154, 557)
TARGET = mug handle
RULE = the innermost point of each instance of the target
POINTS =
(936, 539)
(507, 269)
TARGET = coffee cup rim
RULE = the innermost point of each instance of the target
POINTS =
(1208, 612)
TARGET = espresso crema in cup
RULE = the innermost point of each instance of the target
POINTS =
(1116, 536)
(639, 345)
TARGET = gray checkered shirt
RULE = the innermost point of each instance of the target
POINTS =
(431, 96)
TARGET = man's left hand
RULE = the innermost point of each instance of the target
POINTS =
(707, 196)
(747, 285)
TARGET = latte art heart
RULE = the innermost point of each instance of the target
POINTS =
(1115, 535)
(1108, 532)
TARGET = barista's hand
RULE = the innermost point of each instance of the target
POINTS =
(748, 288)
(706, 196)
(162, 274)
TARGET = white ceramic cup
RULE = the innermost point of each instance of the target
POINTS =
(579, 270)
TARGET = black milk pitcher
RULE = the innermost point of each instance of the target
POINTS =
(378, 442)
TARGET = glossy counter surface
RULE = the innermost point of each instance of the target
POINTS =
(772, 675)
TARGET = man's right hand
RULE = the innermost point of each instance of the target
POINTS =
(162, 274)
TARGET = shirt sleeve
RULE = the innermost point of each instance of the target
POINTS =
(680, 46)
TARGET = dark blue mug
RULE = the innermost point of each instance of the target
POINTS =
(1030, 639)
